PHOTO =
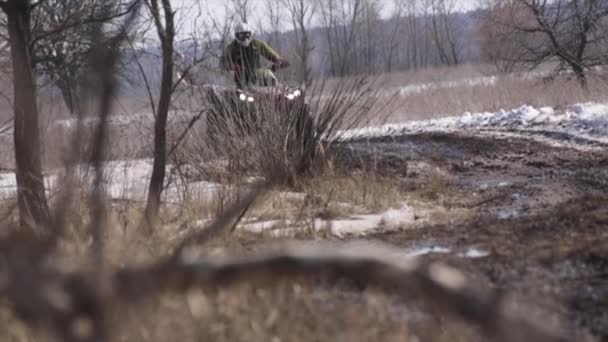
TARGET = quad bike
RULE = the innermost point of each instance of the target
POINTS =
(240, 113)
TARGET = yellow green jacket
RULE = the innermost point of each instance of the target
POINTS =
(248, 57)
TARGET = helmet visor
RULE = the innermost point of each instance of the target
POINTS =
(242, 36)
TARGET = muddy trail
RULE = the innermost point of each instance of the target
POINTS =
(540, 215)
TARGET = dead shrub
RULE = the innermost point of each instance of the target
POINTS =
(274, 137)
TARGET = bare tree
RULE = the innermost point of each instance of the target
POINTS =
(217, 31)
(51, 37)
(301, 13)
(414, 57)
(31, 197)
(392, 44)
(273, 17)
(163, 17)
(350, 12)
(339, 19)
(61, 39)
(181, 62)
(503, 53)
(328, 20)
(444, 31)
(242, 9)
(369, 36)
(571, 33)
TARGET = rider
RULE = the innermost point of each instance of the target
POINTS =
(243, 57)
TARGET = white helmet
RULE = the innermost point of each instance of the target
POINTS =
(243, 33)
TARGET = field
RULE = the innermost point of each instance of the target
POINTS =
(501, 177)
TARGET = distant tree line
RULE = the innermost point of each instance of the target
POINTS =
(334, 38)
(340, 38)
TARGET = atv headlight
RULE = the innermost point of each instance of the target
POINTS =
(250, 99)
(290, 97)
(297, 93)
(242, 97)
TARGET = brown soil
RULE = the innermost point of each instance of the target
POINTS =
(541, 212)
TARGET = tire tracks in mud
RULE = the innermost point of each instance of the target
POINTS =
(550, 245)
(550, 137)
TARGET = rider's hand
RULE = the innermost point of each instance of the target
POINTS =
(280, 64)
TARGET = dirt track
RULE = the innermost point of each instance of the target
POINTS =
(540, 211)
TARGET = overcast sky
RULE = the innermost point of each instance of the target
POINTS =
(191, 12)
(218, 4)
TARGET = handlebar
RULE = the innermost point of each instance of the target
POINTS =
(282, 64)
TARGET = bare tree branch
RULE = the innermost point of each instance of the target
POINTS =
(569, 32)
(227, 219)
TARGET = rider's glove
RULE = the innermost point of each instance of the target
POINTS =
(280, 64)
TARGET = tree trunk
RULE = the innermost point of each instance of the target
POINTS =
(68, 92)
(580, 75)
(330, 31)
(33, 206)
(305, 73)
(414, 39)
(445, 16)
(301, 12)
(157, 179)
(438, 39)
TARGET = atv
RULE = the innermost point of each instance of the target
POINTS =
(239, 113)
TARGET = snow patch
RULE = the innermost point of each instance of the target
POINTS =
(416, 252)
(123, 180)
(470, 253)
(363, 224)
(507, 213)
(260, 226)
(358, 225)
(142, 118)
(425, 87)
(474, 253)
(586, 120)
(398, 217)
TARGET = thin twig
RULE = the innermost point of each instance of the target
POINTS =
(227, 219)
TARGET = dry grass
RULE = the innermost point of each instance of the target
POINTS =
(437, 74)
(288, 313)
(367, 191)
(486, 95)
